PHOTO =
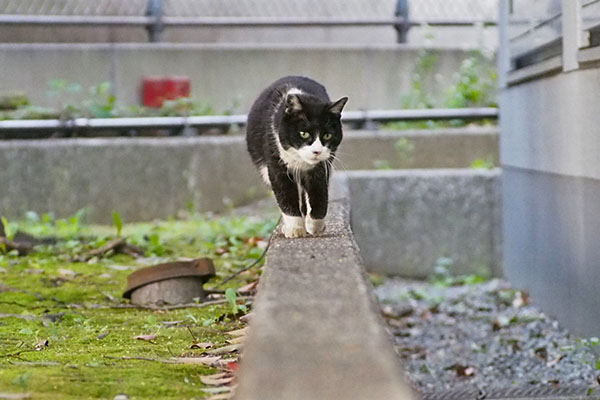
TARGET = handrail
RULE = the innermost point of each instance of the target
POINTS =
(363, 116)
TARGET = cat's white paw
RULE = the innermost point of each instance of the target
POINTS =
(315, 226)
(293, 227)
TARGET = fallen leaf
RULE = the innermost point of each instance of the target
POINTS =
(238, 332)
(103, 335)
(201, 345)
(246, 317)
(66, 273)
(15, 396)
(556, 361)
(237, 340)
(208, 380)
(249, 288)
(196, 360)
(222, 396)
(221, 389)
(229, 364)
(41, 345)
(145, 337)
(226, 349)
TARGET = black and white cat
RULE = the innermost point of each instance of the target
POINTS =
(292, 134)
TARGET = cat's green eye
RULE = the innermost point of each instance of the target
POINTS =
(304, 135)
(327, 136)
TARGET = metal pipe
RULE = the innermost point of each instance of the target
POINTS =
(211, 120)
(8, 19)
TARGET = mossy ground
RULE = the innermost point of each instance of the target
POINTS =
(83, 358)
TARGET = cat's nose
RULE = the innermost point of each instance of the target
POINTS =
(317, 152)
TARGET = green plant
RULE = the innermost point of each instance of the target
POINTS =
(474, 84)
(231, 296)
(9, 229)
(419, 95)
(483, 163)
(185, 106)
(118, 222)
(102, 102)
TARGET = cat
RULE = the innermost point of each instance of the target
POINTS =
(292, 134)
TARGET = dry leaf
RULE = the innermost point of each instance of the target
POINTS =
(237, 340)
(249, 288)
(207, 380)
(222, 396)
(66, 273)
(196, 360)
(246, 317)
(226, 349)
(238, 332)
(41, 345)
(145, 337)
(216, 390)
(201, 345)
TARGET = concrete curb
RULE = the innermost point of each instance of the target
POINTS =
(316, 331)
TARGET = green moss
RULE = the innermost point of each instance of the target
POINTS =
(83, 358)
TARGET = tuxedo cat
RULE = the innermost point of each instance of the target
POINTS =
(292, 134)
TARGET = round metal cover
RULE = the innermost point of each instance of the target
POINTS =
(202, 268)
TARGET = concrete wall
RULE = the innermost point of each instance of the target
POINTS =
(441, 148)
(550, 146)
(142, 179)
(404, 221)
(145, 178)
(222, 74)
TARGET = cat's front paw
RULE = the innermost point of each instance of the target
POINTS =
(315, 226)
(293, 227)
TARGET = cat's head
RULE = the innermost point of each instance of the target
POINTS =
(310, 129)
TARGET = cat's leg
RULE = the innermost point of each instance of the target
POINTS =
(316, 187)
(286, 194)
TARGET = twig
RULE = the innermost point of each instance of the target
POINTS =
(20, 316)
(100, 251)
(259, 259)
(168, 307)
(191, 333)
(35, 363)
(126, 358)
(17, 353)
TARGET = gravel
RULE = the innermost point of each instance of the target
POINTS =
(481, 336)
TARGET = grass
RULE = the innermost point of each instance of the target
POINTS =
(86, 340)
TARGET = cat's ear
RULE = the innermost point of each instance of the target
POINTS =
(337, 106)
(293, 105)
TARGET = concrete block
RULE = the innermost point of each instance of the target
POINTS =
(439, 148)
(406, 220)
(142, 179)
(316, 331)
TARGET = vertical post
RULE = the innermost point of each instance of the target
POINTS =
(403, 27)
(504, 11)
(571, 26)
(154, 9)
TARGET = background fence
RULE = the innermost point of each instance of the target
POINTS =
(156, 15)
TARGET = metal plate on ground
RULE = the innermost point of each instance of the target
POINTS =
(558, 393)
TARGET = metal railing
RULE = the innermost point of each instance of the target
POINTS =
(362, 118)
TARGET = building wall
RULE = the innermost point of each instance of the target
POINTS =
(550, 152)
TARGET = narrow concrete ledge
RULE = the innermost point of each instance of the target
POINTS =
(316, 332)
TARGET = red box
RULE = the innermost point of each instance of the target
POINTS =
(157, 89)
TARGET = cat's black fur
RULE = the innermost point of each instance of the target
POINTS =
(287, 107)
